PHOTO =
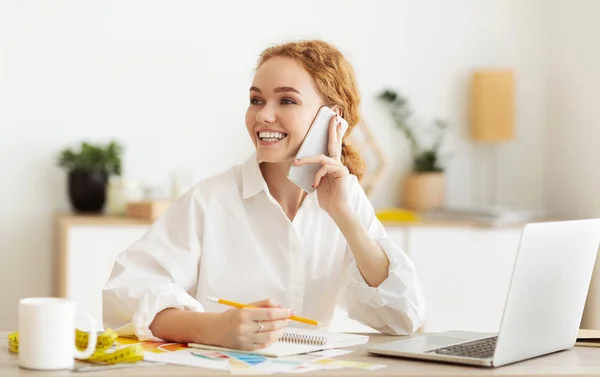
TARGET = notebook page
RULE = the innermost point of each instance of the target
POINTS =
(334, 340)
(281, 349)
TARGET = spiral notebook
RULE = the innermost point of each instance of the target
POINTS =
(296, 341)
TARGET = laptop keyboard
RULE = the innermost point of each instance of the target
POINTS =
(478, 349)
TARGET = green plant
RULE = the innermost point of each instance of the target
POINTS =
(425, 153)
(93, 157)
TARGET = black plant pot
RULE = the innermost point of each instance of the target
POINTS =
(87, 190)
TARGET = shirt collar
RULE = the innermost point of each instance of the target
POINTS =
(252, 178)
(253, 181)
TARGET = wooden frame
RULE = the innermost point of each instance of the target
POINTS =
(367, 144)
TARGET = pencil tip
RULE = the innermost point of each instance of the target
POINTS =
(211, 298)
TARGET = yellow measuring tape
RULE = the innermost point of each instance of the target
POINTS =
(102, 355)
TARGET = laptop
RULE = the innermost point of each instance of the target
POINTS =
(544, 305)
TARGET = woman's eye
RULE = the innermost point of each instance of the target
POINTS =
(287, 101)
(255, 101)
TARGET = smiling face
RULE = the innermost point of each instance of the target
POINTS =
(283, 103)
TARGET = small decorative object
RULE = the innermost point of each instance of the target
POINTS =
(492, 119)
(424, 188)
(89, 170)
(181, 182)
(364, 140)
(396, 215)
(120, 191)
(148, 209)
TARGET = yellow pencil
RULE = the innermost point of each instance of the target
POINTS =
(238, 305)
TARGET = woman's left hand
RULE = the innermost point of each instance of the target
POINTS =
(331, 181)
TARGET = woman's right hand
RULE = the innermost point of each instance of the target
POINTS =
(253, 328)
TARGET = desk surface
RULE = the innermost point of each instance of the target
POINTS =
(579, 361)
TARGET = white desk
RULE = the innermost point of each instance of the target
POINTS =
(579, 361)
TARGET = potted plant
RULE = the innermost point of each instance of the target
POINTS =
(89, 170)
(424, 188)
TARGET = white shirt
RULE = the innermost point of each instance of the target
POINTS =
(228, 238)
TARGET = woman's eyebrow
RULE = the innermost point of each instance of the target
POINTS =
(280, 89)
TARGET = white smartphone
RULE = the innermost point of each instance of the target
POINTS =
(316, 142)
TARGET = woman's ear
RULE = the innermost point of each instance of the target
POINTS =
(338, 110)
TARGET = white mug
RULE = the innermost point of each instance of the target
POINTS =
(47, 334)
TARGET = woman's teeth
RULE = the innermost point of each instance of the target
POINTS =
(271, 136)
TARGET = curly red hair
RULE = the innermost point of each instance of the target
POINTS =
(335, 81)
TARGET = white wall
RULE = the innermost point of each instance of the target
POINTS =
(573, 156)
(170, 80)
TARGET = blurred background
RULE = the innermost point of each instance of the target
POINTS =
(515, 83)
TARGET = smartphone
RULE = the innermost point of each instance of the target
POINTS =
(315, 143)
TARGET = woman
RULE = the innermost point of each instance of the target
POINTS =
(250, 233)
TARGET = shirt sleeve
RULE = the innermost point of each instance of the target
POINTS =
(156, 272)
(397, 305)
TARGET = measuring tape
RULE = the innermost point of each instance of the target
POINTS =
(129, 354)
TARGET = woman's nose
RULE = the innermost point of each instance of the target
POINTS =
(266, 115)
